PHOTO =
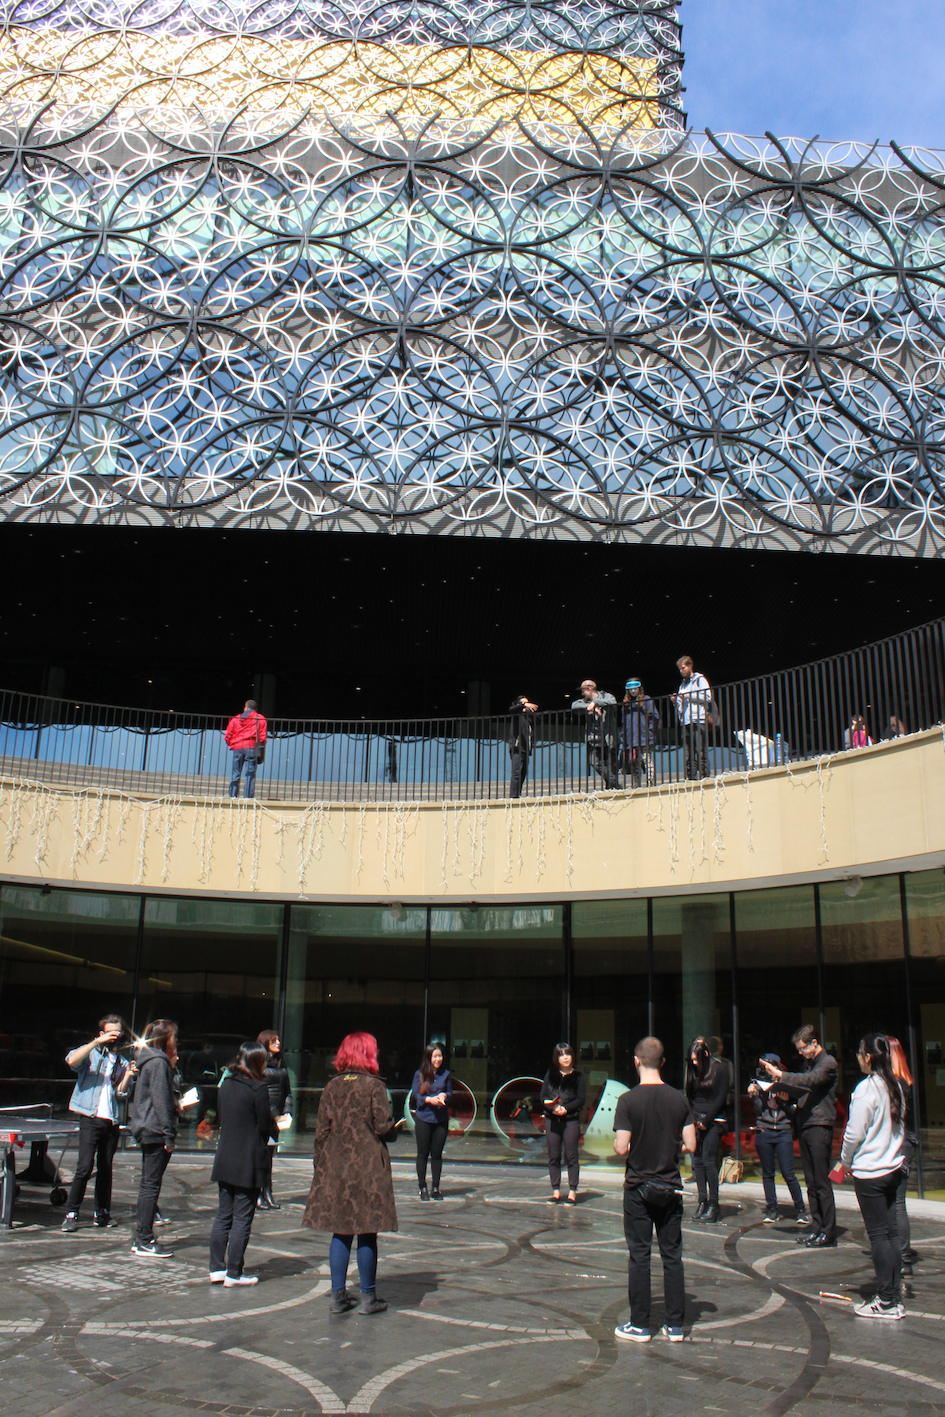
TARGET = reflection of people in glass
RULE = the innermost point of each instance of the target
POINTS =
(523, 1123)
(563, 1094)
(280, 1107)
(706, 1089)
(431, 1095)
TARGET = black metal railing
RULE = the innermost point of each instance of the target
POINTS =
(894, 686)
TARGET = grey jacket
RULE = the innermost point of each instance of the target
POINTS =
(154, 1110)
(818, 1108)
(606, 724)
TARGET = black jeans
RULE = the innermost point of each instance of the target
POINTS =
(154, 1159)
(877, 1199)
(431, 1139)
(563, 1132)
(98, 1139)
(697, 764)
(639, 1221)
(778, 1146)
(705, 1166)
(902, 1215)
(600, 759)
(519, 772)
(816, 1144)
(230, 1234)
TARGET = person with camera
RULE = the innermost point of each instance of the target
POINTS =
(815, 1118)
(154, 1118)
(245, 737)
(653, 1123)
(240, 1165)
(280, 1108)
(774, 1142)
(521, 741)
(101, 1078)
(563, 1094)
(431, 1096)
(707, 1094)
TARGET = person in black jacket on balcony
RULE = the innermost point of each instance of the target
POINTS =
(239, 1167)
(279, 1084)
(774, 1142)
(816, 1115)
(563, 1094)
(521, 741)
(706, 1090)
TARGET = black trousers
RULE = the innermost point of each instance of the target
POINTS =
(705, 1164)
(639, 1222)
(98, 1140)
(601, 759)
(519, 772)
(816, 1144)
(230, 1234)
(697, 763)
(563, 1133)
(431, 1139)
(877, 1200)
(154, 1159)
(902, 1215)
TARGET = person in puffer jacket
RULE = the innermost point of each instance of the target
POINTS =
(244, 735)
(154, 1118)
(277, 1080)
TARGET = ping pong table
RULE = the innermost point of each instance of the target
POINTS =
(36, 1126)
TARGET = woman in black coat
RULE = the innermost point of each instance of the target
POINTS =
(239, 1167)
(280, 1107)
(707, 1083)
(563, 1094)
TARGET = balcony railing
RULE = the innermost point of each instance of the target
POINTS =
(798, 714)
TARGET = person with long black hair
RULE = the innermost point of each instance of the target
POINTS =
(910, 1146)
(706, 1091)
(431, 1095)
(280, 1108)
(240, 1165)
(154, 1119)
(873, 1151)
(563, 1094)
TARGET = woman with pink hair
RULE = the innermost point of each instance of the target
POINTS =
(352, 1190)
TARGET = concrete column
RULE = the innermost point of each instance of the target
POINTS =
(698, 925)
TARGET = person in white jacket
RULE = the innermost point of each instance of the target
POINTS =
(874, 1151)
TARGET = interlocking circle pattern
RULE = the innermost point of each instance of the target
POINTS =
(450, 266)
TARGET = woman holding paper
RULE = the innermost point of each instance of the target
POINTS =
(431, 1095)
(873, 1151)
(239, 1167)
(563, 1094)
(280, 1107)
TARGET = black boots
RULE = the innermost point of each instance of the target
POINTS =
(712, 1215)
(699, 1211)
(268, 1197)
(370, 1303)
(342, 1302)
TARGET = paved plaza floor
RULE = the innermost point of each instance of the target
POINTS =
(498, 1303)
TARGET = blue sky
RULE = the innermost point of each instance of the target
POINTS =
(860, 69)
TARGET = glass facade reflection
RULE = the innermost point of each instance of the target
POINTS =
(497, 986)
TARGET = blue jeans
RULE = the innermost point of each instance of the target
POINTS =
(340, 1252)
(780, 1146)
(241, 757)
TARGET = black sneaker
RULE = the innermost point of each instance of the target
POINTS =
(423, 1193)
(159, 1219)
(770, 1216)
(435, 1195)
(71, 1222)
(150, 1249)
(104, 1221)
(802, 1218)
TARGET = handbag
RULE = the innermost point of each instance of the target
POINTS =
(260, 747)
(732, 1170)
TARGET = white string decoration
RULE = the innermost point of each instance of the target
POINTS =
(721, 797)
(751, 824)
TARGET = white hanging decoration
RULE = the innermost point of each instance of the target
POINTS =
(444, 881)
(822, 786)
(44, 811)
(362, 811)
(718, 843)
(751, 824)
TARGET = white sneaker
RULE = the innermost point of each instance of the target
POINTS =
(875, 1309)
(217, 1276)
(633, 1335)
(229, 1283)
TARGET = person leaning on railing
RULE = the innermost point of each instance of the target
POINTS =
(601, 742)
(641, 718)
(245, 735)
(521, 741)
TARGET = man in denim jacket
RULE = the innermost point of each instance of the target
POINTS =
(101, 1075)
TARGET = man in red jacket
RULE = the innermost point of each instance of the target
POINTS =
(243, 735)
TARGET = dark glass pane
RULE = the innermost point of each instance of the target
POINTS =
(925, 902)
(611, 987)
(692, 977)
(66, 959)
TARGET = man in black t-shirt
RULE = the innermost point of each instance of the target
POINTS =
(653, 1123)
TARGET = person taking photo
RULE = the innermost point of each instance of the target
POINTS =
(431, 1096)
(279, 1086)
(102, 1076)
(563, 1094)
(815, 1118)
(241, 1164)
(774, 1143)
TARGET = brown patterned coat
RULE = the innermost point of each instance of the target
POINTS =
(352, 1190)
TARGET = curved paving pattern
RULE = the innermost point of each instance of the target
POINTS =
(499, 1304)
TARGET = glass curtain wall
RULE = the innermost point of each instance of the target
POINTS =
(925, 914)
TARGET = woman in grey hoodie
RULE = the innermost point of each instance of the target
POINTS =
(154, 1117)
(873, 1150)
